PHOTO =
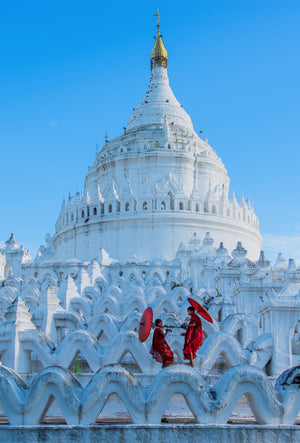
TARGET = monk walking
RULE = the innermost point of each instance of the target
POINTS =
(160, 349)
(192, 337)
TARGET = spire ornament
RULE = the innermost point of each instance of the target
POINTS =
(159, 55)
(157, 19)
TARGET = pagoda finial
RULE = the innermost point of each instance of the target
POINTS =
(158, 23)
(159, 55)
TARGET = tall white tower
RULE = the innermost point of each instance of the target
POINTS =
(154, 187)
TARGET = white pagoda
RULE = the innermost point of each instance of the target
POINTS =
(154, 187)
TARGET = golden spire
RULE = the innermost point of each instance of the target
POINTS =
(159, 55)
(157, 19)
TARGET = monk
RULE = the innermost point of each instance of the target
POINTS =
(160, 349)
(192, 337)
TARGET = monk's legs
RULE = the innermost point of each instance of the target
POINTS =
(191, 363)
(165, 366)
(191, 359)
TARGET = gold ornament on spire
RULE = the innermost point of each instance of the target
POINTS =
(159, 55)
(157, 19)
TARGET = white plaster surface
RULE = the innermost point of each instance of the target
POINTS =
(159, 433)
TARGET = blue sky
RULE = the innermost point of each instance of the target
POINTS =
(70, 70)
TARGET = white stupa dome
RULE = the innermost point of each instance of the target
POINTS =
(154, 187)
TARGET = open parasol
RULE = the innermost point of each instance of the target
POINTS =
(200, 309)
(145, 324)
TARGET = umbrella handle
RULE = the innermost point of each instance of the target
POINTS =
(165, 326)
(173, 327)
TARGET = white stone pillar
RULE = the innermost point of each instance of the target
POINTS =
(18, 319)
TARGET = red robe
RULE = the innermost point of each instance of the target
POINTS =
(193, 338)
(160, 349)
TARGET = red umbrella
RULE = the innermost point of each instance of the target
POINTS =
(200, 309)
(145, 324)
